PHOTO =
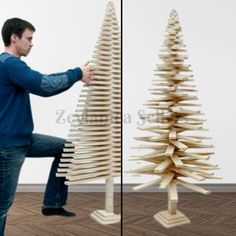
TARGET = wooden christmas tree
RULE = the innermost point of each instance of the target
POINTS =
(93, 150)
(177, 151)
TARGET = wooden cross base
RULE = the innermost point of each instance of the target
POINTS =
(105, 218)
(168, 221)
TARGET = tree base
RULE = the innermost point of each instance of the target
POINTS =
(168, 221)
(105, 218)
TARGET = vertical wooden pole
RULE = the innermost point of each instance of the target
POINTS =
(107, 216)
(171, 217)
(109, 202)
(172, 199)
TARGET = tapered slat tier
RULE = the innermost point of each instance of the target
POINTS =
(93, 148)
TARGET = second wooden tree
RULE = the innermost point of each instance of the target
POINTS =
(177, 151)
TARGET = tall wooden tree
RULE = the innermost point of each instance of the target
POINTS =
(93, 150)
(177, 151)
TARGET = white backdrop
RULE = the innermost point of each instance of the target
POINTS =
(65, 37)
(210, 35)
(66, 33)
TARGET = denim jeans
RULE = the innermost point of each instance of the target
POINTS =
(11, 161)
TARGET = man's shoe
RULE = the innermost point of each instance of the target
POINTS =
(49, 211)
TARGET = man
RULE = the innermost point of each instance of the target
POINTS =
(17, 141)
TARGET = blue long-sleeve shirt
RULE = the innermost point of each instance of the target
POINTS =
(17, 80)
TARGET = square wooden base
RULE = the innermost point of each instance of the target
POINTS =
(168, 221)
(105, 218)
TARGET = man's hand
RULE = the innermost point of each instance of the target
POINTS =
(87, 73)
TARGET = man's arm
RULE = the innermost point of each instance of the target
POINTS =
(44, 85)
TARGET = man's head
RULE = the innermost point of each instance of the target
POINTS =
(17, 34)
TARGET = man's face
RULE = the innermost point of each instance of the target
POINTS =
(24, 44)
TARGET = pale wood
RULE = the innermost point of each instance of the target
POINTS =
(172, 198)
(202, 164)
(192, 186)
(174, 112)
(89, 179)
(105, 218)
(163, 166)
(187, 138)
(159, 138)
(170, 150)
(193, 155)
(146, 168)
(93, 150)
(143, 186)
(188, 174)
(169, 221)
(177, 161)
(154, 154)
(167, 179)
(88, 176)
(172, 134)
(181, 146)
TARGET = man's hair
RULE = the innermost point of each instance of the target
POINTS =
(14, 26)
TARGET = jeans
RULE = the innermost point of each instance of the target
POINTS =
(11, 161)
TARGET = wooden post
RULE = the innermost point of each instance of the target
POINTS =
(172, 199)
(109, 205)
(107, 216)
(172, 217)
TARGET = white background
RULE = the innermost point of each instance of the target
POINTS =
(66, 33)
(65, 37)
(209, 31)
